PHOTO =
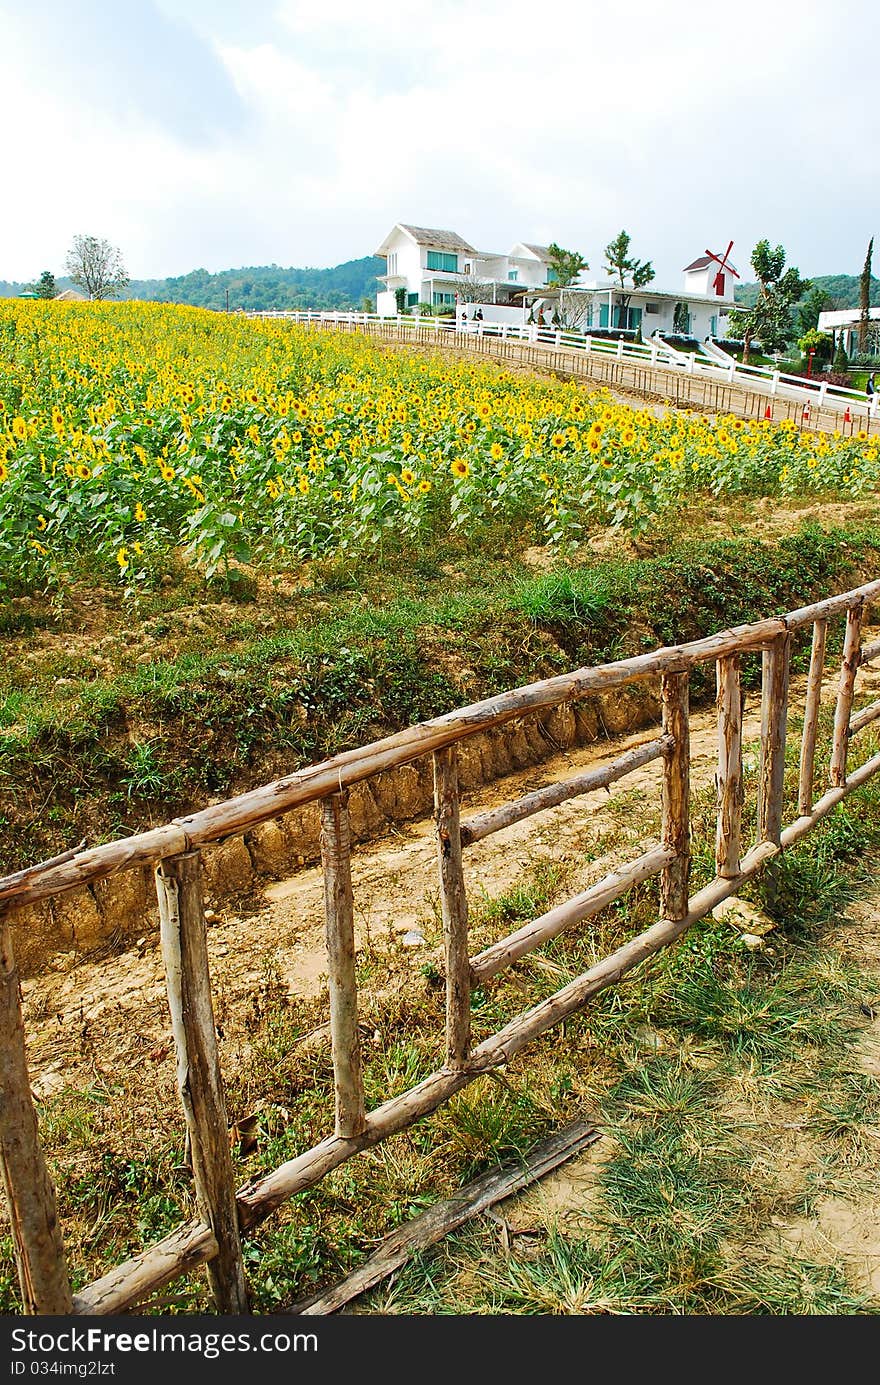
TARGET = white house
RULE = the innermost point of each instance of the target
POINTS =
(845, 324)
(440, 268)
(699, 309)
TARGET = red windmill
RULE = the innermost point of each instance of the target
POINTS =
(725, 267)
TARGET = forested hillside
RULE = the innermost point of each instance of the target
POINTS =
(344, 287)
(842, 291)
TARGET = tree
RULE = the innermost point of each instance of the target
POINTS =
(565, 264)
(471, 289)
(681, 320)
(816, 302)
(865, 299)
(96, 266)
(770, 319)
(819, 343)
(46, 287)
(840, 364)
(619, 263)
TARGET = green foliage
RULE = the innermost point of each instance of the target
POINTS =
(865, 298)
(840, 364)
(342, 288)
(566, 264)
(46, 287)
(779, 289)
(818, 342)
(809, 308)
(619, 263)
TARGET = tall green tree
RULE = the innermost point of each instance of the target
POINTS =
(566, 264)
(46, 286)
(96, 266)
(620, 263)
(808, 310)
(865, 298)
(771, 318)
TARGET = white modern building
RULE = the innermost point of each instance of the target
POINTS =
(440, 268)
(845, 324)
(443, 270)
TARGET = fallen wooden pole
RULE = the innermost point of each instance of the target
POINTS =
(870, 652)
(438, 1221)
(483, 824)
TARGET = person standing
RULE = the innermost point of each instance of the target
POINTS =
(870, 389)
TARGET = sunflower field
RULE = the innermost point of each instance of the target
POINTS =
(132, 433)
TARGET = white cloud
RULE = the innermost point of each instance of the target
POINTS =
(685, 124)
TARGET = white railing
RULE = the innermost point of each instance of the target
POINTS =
(654, 352)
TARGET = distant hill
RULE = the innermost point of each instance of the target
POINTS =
(344, 287)
(842, 290)
(264, 287)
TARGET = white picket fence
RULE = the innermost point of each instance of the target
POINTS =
(654, 352)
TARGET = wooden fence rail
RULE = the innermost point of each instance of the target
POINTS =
(213, 1238)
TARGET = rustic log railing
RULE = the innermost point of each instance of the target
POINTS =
(213, 1238)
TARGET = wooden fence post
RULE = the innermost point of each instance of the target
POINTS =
(848, 669)
(454, 907)
(811, 717)
(30, 1196)
(728, 836)
(774, 722)
(339, 915)
(199, 1079)
(676, 795)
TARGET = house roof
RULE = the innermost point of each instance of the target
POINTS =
(648, 293)
(433, 239)
(705, 261)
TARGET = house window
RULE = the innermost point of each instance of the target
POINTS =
(513, 275)
(437, 259)
(551, 275)
(412, 299)
(392, 262)
(442, 300)
(651, 308)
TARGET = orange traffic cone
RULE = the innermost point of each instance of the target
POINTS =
(847, 418)
(768, 412)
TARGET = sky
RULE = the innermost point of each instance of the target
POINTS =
(215, 134)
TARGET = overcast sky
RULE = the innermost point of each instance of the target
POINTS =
(219, 133)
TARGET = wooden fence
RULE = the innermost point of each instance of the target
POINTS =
(213, 1237)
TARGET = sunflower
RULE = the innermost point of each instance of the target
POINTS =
(496, 451)
(459, 467)
(407, 476)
